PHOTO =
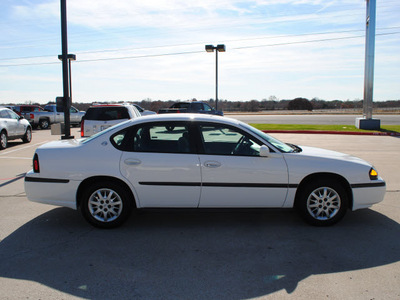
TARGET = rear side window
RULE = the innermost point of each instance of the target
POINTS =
(162, 138)
(197, 106)
(107, 113)
(4, 114)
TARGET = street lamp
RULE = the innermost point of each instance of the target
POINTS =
(218, 48)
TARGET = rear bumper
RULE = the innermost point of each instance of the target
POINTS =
(58, 192)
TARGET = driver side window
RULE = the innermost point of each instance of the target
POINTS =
(221, 140)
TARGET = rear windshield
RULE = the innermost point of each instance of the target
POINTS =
(181, 105)
(107, 113)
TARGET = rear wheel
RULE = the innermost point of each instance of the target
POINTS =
(28, 135)
(3, 140)
(44, 123)
(106, 204)
(322, 203)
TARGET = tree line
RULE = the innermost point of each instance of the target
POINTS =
(270, 104)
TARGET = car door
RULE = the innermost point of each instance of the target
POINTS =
(58, 114)
(14, 127)
(8, 123)
(162, 165)
(233, 172)
(20, 125)
(74, 115)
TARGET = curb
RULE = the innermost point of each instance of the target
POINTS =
(334, 132)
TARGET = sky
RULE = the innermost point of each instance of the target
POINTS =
(131, 50)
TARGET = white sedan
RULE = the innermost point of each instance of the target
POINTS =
(204, 162)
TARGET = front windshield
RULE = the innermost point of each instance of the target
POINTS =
(104, 132)
(273, 141)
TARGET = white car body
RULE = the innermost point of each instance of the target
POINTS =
(93, 123)
(13, 127)
(195, 179)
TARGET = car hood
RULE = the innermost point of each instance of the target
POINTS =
(314, 152)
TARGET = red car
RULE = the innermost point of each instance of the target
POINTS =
(26, 109)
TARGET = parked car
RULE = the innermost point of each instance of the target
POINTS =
(24, 109)
(52, 114)
(191, 107)
(13, 127)
(205, 162)
(100, 117)
(144, 112)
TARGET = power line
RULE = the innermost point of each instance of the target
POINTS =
(195, 52)
(201, 43)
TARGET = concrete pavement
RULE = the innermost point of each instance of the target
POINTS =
(52, 253)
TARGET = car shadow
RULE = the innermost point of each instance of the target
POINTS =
(193, 255)
(13, 143)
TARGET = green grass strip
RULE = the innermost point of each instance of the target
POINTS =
(305, 127)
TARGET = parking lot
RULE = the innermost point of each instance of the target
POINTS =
(52, 253)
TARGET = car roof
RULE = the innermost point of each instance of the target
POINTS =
(108, 105)
(186, 117)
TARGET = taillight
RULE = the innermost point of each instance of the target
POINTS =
(31, 116)
(36, 168)
(82, 131)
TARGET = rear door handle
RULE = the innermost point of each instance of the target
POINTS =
(212, 164)
(132, 162)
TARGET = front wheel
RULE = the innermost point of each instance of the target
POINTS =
(3, 140)
(322, 203)
(106, 204)
(28, 135)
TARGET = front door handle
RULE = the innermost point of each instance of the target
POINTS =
(212, 164)
(132, 162)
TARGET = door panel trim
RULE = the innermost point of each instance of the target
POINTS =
(222, 184)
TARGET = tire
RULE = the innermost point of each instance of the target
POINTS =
(3, 140)
(28, 135)
(106, 204)
(322, 202)
(44, 123)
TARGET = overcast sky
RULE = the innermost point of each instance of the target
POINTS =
(133, 50)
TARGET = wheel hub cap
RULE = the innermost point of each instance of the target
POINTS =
(323, 203)
(105, 205)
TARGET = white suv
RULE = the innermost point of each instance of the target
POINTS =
(13, 127)
(100, 117)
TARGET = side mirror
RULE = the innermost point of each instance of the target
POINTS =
(264, 151)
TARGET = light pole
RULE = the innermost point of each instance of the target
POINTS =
(367, 122)
(66, 59)
(70, 57)
(218, 48)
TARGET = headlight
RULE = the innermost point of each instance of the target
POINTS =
(373, 174)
